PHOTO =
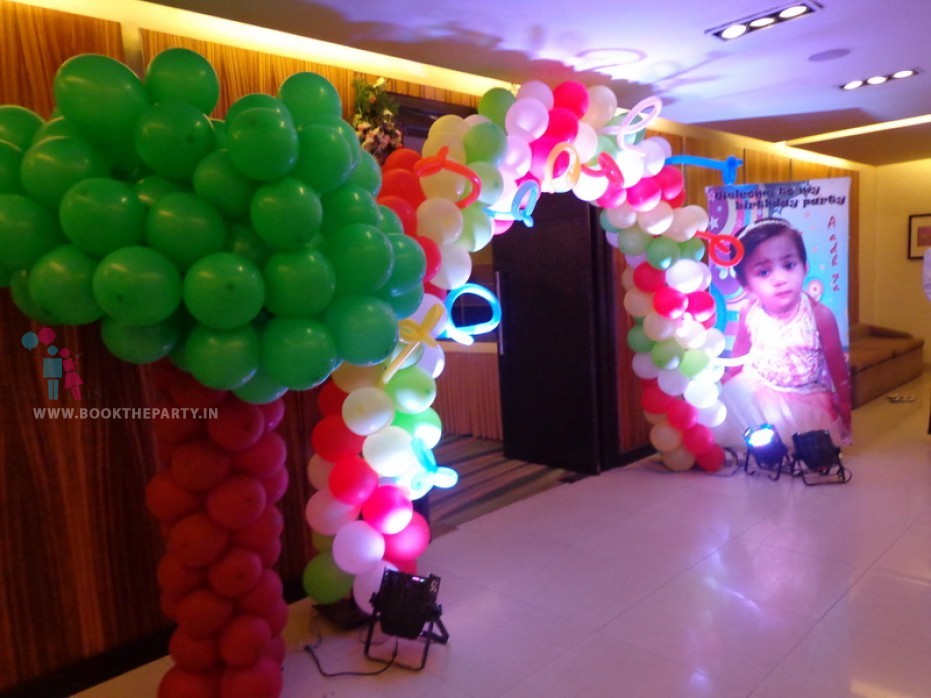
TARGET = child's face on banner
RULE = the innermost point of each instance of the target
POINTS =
(775, 273)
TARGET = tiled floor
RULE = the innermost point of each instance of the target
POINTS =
(639, 583)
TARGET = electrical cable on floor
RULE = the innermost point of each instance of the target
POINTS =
(309, 648)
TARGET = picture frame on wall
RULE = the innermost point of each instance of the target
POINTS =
(919, 235)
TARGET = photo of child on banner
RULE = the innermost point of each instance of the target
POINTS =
(783, 308)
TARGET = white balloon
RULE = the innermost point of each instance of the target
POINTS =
(367, 584)
(432, 359)
(622, 216)
(631, 166)
(657, 220)
(518, 157)
(589, 187)
(690, 334)
(527, 118)
(714, 342)
(643, 366)
(654, 157)
(663, 145)
(638, 303)
(367, 410)
(537, 90)
(672, 382)
(318, 472)
(699, 215)
(327, 515)
(683, 227)
(701, 394)
(658, 327)
(358, 548)
(440, 220)
(602, 104)
(443, 185)
(586, 142)
(685, 275)
(627, 277)
(713, 415)
(435, 143)
(389, 451)
(455, 269)
(611, 238)
(429, 302)
(473, 119)
(449, 123)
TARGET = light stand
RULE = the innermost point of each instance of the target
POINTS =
(403, 605)
(767, 449)
(817, 459)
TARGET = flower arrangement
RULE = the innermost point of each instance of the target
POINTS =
(374, 119)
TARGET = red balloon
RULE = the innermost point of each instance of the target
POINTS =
(177, 431)
(388, 510)
(277, 616)
(404, 210)
(563, 126)
(197, 540)
(678, 200)
(261, 680)
(698, 439)
(237, 501)
(236, 573)
(168, 501)
(613, 197)
(202, 613)
(193, 653)
(648, 278)
(710, 460)
(245, 640)
(276, 485)
(199, 465)
(402, 158)
(410, 542)
(177, 579)
(352, 480)
(238, 425)
(571, 95)
(277, 649)
(264, 595)
(669, 302)
(682, 415)
(644, 195)
(262, 458)
(273, 412)
(654, 400)
(186, 391)
(330, 399)
(271, 552)
(332, 440)
(671, 182)
(434, 257)
(402, 183)
(701, 305)
(178, 683)
(261, 533)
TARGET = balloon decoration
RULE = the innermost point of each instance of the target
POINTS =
(268, 252)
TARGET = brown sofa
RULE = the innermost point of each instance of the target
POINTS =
(881, 359)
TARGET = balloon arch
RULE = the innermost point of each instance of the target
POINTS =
(268, 252)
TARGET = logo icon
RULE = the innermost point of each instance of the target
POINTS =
(58, 365)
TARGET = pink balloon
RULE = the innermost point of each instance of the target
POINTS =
(698, 439)
(654, 400)
(352, 480)
(644, 195)
(669, 302)
(648, 278)
(571, 95)
(388, 510)
(410, 541)
(563, 125)
(671, 181)
(701, 305)
(682, 415)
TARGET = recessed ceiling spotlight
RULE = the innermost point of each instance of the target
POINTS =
(732, 30)
(880, 79)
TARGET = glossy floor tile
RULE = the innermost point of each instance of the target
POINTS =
(641, 583)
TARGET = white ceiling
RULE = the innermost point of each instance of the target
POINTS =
(776, 84)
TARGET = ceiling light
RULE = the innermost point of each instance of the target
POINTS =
(880, 79)
(732, 30)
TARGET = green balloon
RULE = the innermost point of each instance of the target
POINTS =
(389, 222)
(662, 252)
(217, 181)
(222, 359)
(364, 328)
(403, 303)
(286, 214)
(347, 132)
(694, 361)
(633, 241)
(485, 142)
(220, 133)
(637, 339)
(693, 248)
(101, 97)
(22, 298)
(492, 181)
(323, 580)
(416, 424)
(367, 173)
(412, 390)
(262, 143)
(321, 543)
(347, 205)
(606, 224)
(362, 257)
(309, 96)
(18, 125)
(410, 263)
(137, 286)
(53, 166)
(667, 354)
(11, 158)
(256, 100)
(298, 353)
(244, 241)
(298, 283)
(184, 228)
(325, 159)
(477, 229)
(59, 126)
(260, 390)
(27, 231)
(61, 283)
(224, 290)
(152, 188)
(141, 344)
(495, 103)
(100, 215)
(184, 75)
(173, 137)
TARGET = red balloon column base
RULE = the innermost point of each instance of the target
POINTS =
(215, 496)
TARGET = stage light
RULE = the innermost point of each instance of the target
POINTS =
(405, 607)
(765, 446)
(817, 458)
(740, 27)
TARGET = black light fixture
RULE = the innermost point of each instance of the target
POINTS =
(817, 459)
(741, 27)
(880, 79)
(405, 607)
(766, 447)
